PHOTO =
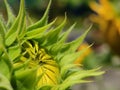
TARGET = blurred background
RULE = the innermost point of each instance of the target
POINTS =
(104, 16)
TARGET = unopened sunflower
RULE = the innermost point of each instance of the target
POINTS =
(35, 56)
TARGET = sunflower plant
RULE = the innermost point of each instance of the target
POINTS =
(36, 56)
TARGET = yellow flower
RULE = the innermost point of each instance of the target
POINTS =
(108, 21)
(35, 56)
(104, 9)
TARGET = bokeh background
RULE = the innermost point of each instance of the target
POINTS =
(104, 16)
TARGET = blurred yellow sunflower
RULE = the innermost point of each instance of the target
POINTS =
(109, 22)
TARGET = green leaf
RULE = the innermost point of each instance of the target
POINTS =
(18, 24)
(42, 21)
(55, 48)
(71, 57)
(4, 69)
(7, 60)
(20, 86)
(1, 43)
(79, 76)
(11, 39)
(45, 88)
(29, 20)
(65, 68)
(72, 46)
(14, 52)
(2, 34)
(64, 36)
(10, 14)
(27, 78)
(36, 33)
(2, 28)
(53, 35)
(2, 25)
(23, 30)
(4, 83)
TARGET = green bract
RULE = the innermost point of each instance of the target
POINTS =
(37, 56)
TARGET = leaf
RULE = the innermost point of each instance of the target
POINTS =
(66, 33)
(72, 46)
(7, 60)
(2, 25)
(1, 43)
(14, 52)
(4, 83)
(42, 21)
(20, 86)
(79, 76)
(55, 48)
(45, 88)
(10, 14)
(27, 78)
(65, 68)
(4, 69)
(52, 35)
(11, 39)
(17, 26)
(35, 33)
(29, 20)
(71, 57)
(23, 30)
(2, 28)
(2, 34)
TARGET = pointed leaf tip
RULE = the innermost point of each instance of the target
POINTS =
(43, 21)
(11, 16)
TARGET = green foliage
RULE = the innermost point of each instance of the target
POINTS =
(4, 83)
(26, 49)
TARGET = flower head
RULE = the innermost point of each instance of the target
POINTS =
(37, 56)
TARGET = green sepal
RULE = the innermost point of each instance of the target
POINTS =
(4, 69)
(72, 46)
(1, 43)
(27, 77)
(14, 52)
(2, 34)
(54, 49)
(4, 83)
(11, 39)
(37, 33)
(79, 77)
(17, 26)
(10, 14)
(43, 21)
(2, 28)
(45, 88)
(65, 68)
(52, 36)
(65, 34)
(71, 57)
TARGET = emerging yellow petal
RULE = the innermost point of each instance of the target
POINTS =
(47, 66)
